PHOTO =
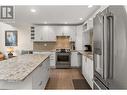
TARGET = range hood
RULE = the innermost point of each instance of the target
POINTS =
(62, 42)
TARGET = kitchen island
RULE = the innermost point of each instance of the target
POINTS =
(30, 71)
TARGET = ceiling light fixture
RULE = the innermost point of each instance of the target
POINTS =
(33, 10)
(90, 6)
(91, 19)
(45, 22)
(66, 22)
(81, 18)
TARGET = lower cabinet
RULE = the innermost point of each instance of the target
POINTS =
(41, 76)
(87, 70)
(75, 59)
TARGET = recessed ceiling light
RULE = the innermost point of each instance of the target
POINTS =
(81, 18)
(45, 22)
(66, 22)
(33, 10)
(90, 19)
(90, 6)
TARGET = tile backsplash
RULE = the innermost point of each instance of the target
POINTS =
(62, 42)
(44, 46)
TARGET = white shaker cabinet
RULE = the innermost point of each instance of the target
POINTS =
(87, 70)
(88, 25)
(79, 37)
(44, 33)
(38, 34)
(67, 31)
(75, 59)
(41, 75)
(49, 33)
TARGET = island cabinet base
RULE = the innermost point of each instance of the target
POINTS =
(36, 80)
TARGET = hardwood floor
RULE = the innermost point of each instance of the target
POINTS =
(62, 78)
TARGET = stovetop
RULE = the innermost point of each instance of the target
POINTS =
(63, 50)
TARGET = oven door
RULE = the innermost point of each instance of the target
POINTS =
(63, 57)
(63, 60)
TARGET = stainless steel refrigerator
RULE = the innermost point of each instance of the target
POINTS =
(110, 48)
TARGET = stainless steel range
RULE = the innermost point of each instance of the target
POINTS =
(63, 58)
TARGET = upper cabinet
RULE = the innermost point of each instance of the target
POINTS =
(67, 31)
(44, 33)
(38, 34)
(49, 33)
(88, 25)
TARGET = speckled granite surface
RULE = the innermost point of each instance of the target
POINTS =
(87, 54)
(18, 68)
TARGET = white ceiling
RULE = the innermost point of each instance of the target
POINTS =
(53, 14)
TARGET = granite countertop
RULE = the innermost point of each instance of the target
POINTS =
(18, 68)
(87, 54)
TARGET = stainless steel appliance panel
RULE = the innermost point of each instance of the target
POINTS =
(113, 53)
(98, 44)
(119, 80)
(63, 59)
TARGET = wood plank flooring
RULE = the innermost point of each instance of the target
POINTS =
(62, 78)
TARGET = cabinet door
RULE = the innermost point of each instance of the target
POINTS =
(38, 34)
(70, 31)
(41, 75)
(83, 66)
(79, 59)
(45, 73)
(88, 24)
(45, 33)
(86, 69)
(78, 44)
(74, 59)
(73, 34)
(90, 72)
(52, 33)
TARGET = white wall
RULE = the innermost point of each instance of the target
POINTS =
(24, 41)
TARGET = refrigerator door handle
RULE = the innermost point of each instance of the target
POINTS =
(108, 47)
(111, 46)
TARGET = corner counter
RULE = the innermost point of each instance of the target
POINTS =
(87, 54)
